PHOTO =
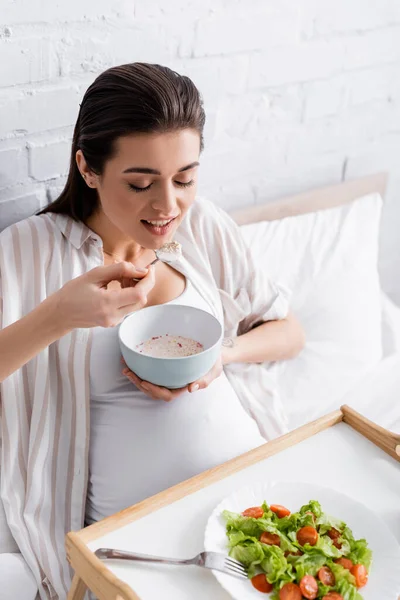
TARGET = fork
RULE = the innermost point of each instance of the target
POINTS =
(208, 560)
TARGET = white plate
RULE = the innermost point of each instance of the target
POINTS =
(384, 578)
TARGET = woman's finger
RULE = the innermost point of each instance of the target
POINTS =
(132, 377)
(115, 272)
(133, 298)
(205, 381)
(155, 391)
(161, 392)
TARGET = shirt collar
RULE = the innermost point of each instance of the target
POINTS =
(75, 232)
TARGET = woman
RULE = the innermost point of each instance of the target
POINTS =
(131, 187)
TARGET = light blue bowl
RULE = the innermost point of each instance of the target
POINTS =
(173, 319)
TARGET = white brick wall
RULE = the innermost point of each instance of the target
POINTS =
(298, 94)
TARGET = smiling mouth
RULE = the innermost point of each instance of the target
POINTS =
(158, 227)
(160, 223)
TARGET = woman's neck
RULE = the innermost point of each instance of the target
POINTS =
(116, 243)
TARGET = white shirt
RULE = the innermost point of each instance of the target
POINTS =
(140, 446)
(46, 404)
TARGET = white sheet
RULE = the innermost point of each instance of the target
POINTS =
(16, 579)
(378, 395)
(390, 326)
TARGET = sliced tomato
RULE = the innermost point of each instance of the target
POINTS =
(345, 562)
(333, 533)
(280, 510)
(261, 583)
(326, 576)
(307, 535)
(309, 587)
(272, 539)
(255, 511)
(361, 575)
(333, 596)
(290, 591)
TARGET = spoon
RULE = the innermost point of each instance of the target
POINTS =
(169, 252)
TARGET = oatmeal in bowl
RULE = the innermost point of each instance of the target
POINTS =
(170, 345)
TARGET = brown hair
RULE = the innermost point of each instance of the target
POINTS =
(132, 98)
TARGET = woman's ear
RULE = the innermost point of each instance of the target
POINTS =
(88, 175)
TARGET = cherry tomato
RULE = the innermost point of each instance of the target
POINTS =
(280, 510)
(309, 587)
(333, 596)
(272, 539)
(255, 511)
(307, 535)
(361, 575)
(261, 584)
(345, 562)
(334, 534)
(326, 576)
(290, 591)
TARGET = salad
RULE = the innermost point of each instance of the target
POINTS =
(306, 554)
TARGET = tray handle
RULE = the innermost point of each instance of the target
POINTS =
(385, 439)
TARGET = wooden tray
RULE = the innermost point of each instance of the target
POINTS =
(107, 583)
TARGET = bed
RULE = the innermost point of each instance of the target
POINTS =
(314, 242)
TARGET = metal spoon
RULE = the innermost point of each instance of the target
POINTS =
(171, 250)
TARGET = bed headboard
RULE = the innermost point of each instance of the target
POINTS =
(319, 199)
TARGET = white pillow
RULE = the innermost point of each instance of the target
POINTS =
(329, 260)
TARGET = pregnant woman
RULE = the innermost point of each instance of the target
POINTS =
(82, 436)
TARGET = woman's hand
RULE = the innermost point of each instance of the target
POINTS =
(86, 302)
(161, 393)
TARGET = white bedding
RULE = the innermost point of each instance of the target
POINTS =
(377, 397)
(16, 579)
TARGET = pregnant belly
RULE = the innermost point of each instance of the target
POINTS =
(141, 446)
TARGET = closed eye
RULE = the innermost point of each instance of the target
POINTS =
(138, 189)
(182, 184)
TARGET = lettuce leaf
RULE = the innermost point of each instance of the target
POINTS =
(307, 564)
(341, 574)
(325, 545)
(247, 525)
(294, 522)
(275, 565)
(348, 591)
(314, 507)
(360, 553)
(326, 522)
(250, 553)
(323, 589)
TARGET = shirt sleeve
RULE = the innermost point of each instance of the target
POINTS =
(236, 272)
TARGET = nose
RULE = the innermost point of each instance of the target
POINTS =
(166, 202)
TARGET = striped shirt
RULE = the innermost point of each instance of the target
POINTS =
(45, 404)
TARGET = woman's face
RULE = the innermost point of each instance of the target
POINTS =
(148, 186)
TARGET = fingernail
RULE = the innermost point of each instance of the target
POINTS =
(195, 388)
(141, 269)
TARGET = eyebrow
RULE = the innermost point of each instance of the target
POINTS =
(148, 171)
